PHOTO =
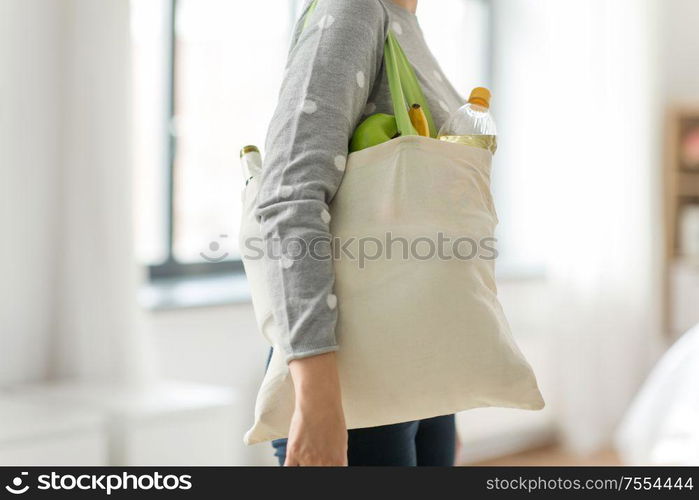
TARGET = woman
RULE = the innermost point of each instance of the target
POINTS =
(335, 77)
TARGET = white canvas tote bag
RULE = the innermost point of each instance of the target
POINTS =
(420, 328)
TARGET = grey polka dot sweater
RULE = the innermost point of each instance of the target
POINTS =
(334, 77)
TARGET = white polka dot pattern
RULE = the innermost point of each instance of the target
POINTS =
(325, 216)
(340, 163)
(286, 262)
(309, 107)
(326, 21)
(397, 28)
(332, 301)
(360, 79)
(286, 191)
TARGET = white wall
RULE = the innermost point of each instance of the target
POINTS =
(68, 273)
(30, 148)
(680, 51)
(96, 324)
(216, 345)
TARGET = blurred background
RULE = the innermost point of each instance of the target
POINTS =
(126, 331)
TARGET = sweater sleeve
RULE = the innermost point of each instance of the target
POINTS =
(328, 79)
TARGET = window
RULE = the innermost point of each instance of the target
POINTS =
(206, 78)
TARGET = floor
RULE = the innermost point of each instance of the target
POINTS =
(554, 455)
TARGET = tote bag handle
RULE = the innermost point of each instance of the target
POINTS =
(403, 85)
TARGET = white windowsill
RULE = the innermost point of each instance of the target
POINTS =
(195, 291)
(233, 288)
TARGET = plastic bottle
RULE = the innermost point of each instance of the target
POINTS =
(472, 124)
(251, 162)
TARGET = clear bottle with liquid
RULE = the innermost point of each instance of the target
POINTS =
(472, 124)
(251, 162)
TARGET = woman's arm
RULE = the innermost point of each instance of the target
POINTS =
(328, 79)
(327, 82)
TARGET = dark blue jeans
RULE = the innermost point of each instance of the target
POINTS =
(428, 442)
(423, 442)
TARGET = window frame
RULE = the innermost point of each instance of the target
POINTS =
(171, 267)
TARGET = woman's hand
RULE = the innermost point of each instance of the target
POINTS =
(317, 435)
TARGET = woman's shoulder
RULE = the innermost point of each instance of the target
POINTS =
(348, 15)
(359, 7)
(371, 12)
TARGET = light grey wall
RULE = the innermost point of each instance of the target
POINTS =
(221, 346)
(68, 277)
(680, 51)
(31, 94)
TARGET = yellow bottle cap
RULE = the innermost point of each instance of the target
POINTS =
(480, 96)
(248, 149)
